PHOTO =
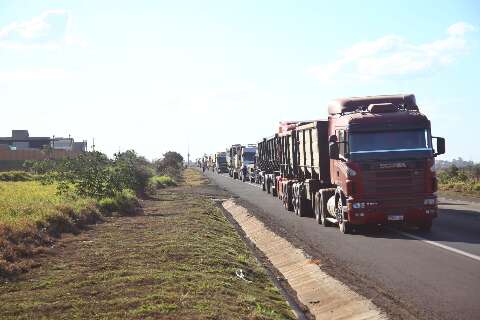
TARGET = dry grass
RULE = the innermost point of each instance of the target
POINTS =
(30, 214)
(177, 261)
(193, 178)
(24, 204)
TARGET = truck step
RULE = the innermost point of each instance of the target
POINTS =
(332, 220)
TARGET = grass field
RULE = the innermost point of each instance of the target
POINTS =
(176, 261)
(31, 203)
(30, 214)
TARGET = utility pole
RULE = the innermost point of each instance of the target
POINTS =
(53, 147)
(93, 145)
(188, 155)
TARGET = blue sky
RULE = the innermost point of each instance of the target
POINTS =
(162, 75)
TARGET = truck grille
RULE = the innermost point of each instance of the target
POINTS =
(394, 181)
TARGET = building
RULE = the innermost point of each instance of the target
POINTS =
(20, 140)
(18, 148)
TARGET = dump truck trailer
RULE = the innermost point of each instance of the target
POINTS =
(370, 162)
(268, 167)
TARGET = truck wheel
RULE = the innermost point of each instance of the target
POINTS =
(316, 208)
(302, 210)
(294, 199)
(344, 225)
(322, 206)
(425, 226)
(268, 186)
(287, 200)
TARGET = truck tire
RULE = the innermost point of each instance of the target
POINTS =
(268, 187)
(316, 208)
(322, 206)
(287, 198)
(294, 198)
(343, 224)
(301, 202)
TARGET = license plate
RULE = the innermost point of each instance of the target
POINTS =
(395, 217)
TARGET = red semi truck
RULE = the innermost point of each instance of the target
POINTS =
(371, 162)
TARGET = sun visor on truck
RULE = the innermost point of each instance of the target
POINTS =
(345, 105)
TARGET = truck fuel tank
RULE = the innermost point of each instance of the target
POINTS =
(331, 206)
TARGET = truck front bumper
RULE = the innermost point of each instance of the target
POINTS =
(392, 215)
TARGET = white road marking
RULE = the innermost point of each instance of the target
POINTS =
(434, 243)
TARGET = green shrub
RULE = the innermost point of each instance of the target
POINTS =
(159, 182)
(163, 181)
(476, 186)
(124, 202)
(107, 205)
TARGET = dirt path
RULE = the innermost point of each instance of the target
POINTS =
(178, 260)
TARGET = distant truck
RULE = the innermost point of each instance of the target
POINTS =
(221, 165)
(242, 161)
(371, 162)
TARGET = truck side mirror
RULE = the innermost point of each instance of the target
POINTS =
(440, 146)
(333, 150)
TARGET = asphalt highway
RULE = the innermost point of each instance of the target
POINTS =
(433, 275)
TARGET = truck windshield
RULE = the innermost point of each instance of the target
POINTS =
(248, 156)
(389, 141)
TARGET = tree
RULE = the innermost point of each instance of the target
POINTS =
(452, 171)
(171, 164)
(89, 174)
(131, 171)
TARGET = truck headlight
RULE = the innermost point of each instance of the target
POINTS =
(430, 202)
(358, 205)
(351, 172)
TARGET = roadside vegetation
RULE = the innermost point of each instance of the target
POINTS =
(54, 197)
(179, 260)
(465, 180)
(17, 176)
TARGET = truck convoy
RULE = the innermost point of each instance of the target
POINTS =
(370, 163)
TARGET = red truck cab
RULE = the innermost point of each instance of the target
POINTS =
(382, 161)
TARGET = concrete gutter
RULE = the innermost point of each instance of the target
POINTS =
(325, 297)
